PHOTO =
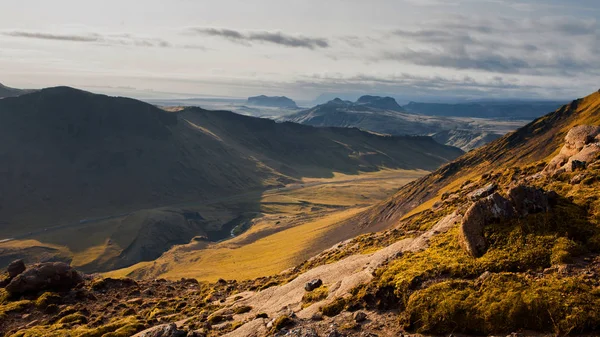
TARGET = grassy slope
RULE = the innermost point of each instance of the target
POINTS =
(538, 140)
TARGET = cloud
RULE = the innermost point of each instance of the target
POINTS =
(563, 46)
(278, 38)
(123, 39)
(56, 37)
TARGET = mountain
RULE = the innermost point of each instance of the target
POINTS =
(505, 240)
(384, 103)
(272, 101)
(506, 110)
(11, 92)
(72, 157)
(368, 113)
(465, 140)
(384, 116)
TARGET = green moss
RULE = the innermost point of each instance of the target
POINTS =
(12, 307)
(503, 303)
(563, 251)
(242, 309)
(281, 322)
(46, 299)
(75, 318)
(334, 308)
(314, 296)
(123, 327)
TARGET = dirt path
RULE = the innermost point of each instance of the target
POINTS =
(340, 277)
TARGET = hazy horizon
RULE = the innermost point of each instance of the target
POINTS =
(420, 50)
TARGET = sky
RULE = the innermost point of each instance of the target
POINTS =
(415, 49)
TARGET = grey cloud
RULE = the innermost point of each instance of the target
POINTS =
(562, 46)
(56, 37)
(264, 36)
(109, 39)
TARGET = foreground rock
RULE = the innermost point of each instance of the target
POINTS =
(582, 146)
(15, 268)
(313, 284)
(45, 276)
(522, 200)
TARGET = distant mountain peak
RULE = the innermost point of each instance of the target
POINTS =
(385, 103)
(272, 101)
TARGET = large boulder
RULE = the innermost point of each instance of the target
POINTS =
(478, 215)
(582, 143)
(528, 200)
(15, 268)
(45, 276)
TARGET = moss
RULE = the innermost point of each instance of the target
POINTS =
(334, 308)
(503, 303)
(46, 299)
(75, 318)
(281, 322)
(242, 309)
(563, 251)
(216, 319)
(314, 296)
(12, 307)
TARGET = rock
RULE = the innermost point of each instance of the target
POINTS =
(528, 200)
(312, 285)
(575, 165)
(484, 276)
(15, 268)
(360, 316)
(317, 316)
(45, 276)
(483, 192)
(165, 330)
(581, 144)
(480, 214)
(577, 179)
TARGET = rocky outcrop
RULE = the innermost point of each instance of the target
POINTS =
(15, 268)
(521, 200)
(582, 146)
(44, 276)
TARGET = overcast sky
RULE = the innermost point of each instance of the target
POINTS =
(412, 48)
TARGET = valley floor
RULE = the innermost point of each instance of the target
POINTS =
(287, 226)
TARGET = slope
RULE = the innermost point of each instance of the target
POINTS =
(536, 141)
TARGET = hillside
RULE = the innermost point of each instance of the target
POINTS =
(11, 92)
(465, 140)
(504, 240)
(77, 162)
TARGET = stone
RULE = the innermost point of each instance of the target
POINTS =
(478, 215)
(45, 276)
(164, 330)
(575, 165)
(313, 284)
(577, 179)
(15, 268)
(528, 199)
(317, 316)
(360, 316)
(482, 192)
(581, 144)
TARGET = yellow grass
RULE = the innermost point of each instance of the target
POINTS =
(266, 256)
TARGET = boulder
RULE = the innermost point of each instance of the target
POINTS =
(15, 268)
(528, 200)
(483, 192)
(312, 285)
(480, 214)
(164, 330)
(582, 143)
(45, 276)
(360, 316)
